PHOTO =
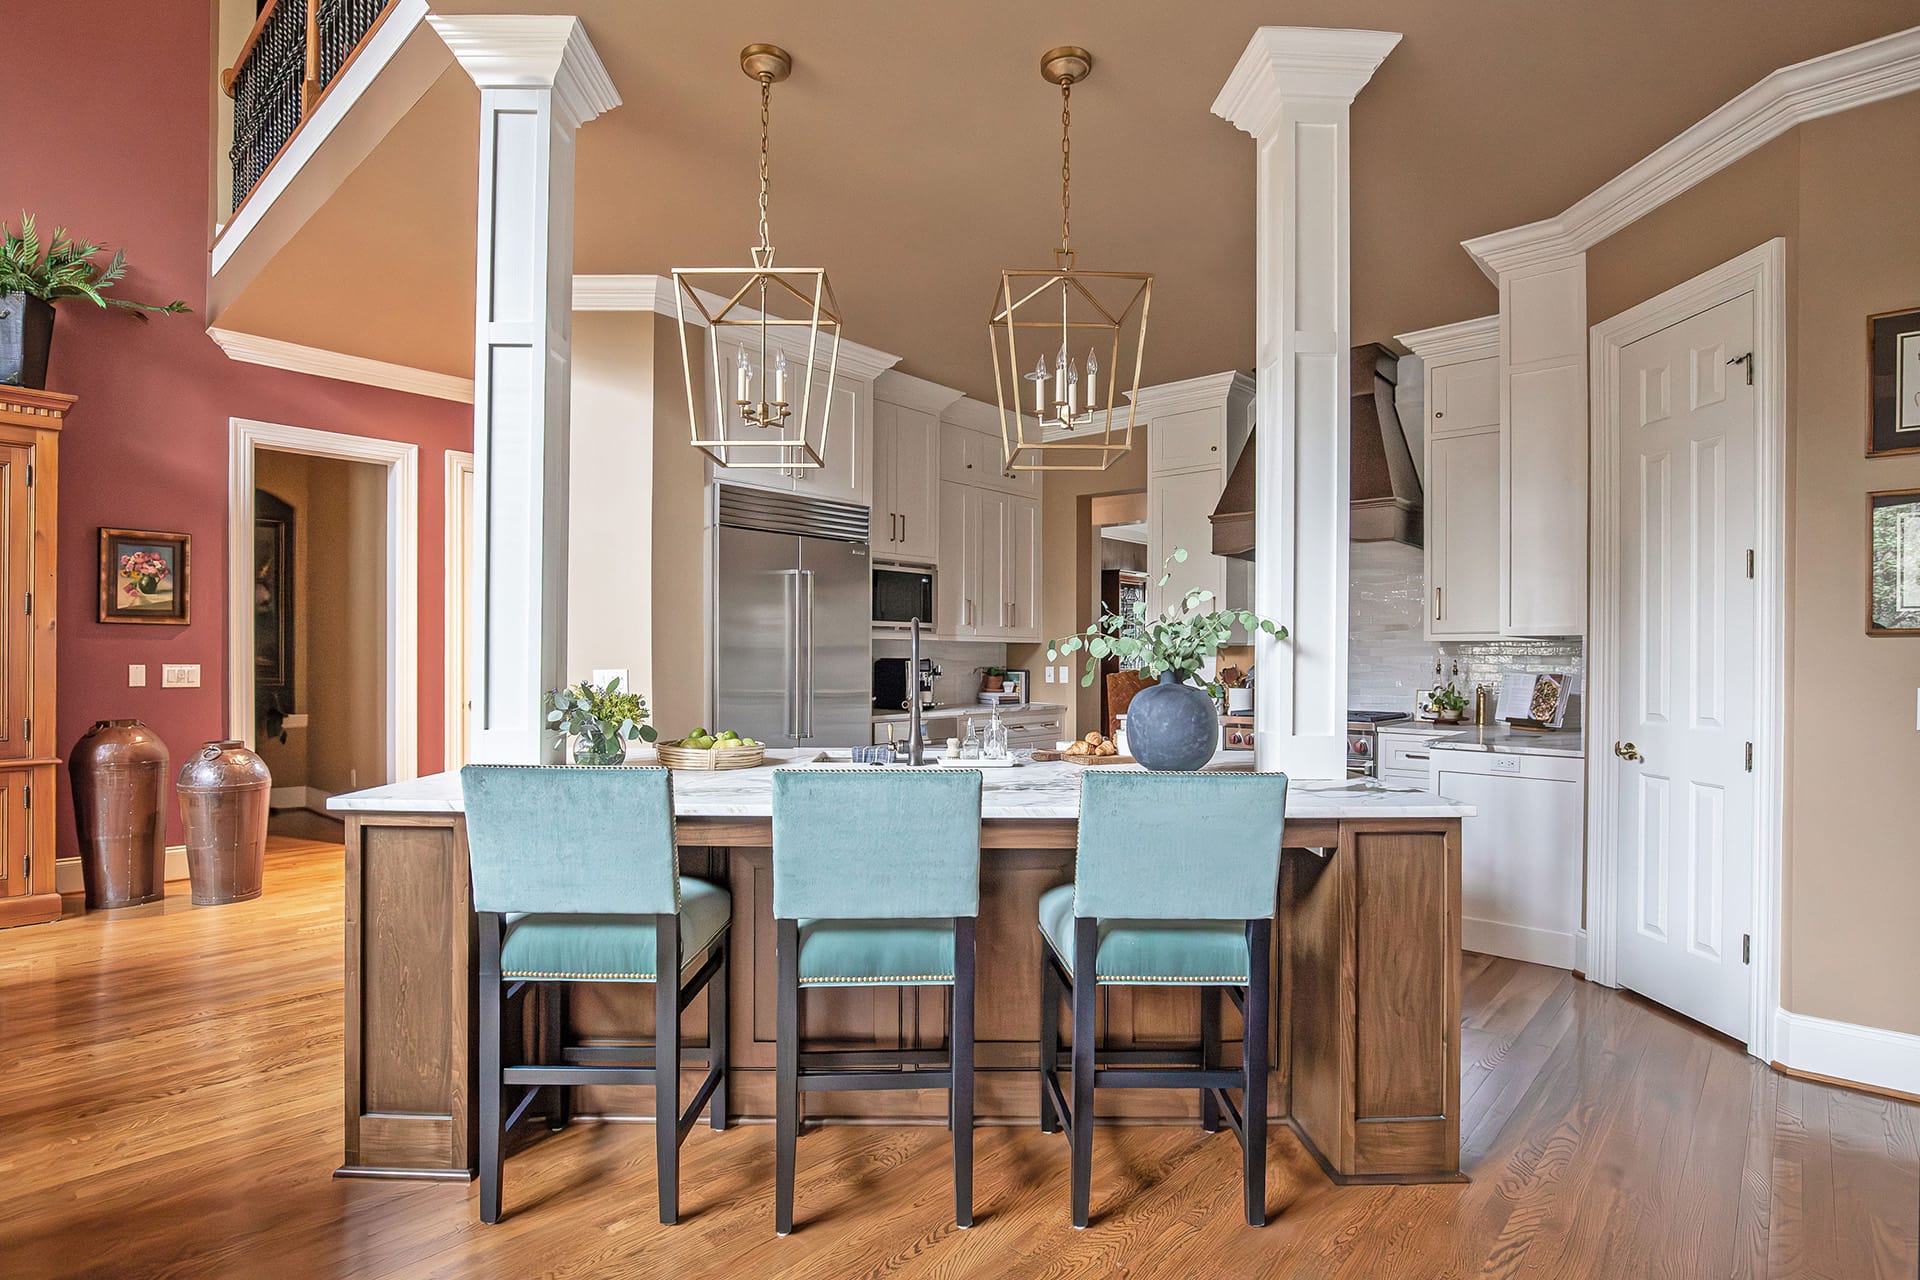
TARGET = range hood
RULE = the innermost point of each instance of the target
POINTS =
(1385, 484)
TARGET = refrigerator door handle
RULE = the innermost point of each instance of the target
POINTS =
(804, 652)
(790, 710)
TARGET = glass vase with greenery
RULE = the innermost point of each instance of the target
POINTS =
(599, 721)
(1180, 640)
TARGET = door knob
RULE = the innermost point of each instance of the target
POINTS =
(1627, 751)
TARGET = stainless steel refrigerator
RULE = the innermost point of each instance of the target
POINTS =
(793, 616)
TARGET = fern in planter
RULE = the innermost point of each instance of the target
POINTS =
(65, 268)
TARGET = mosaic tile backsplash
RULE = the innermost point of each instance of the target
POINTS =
(1390, 660)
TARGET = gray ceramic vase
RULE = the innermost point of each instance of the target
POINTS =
(1172, 725)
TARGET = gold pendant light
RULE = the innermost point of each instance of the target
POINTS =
(759, 322)
(1068, 418)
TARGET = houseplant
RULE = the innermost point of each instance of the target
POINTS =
(32, 279)
(600, 722)
(1448, 704)
(1173, 724)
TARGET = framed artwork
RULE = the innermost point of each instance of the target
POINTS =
(1893, 389)
(145, 577)
(1015, 682)
(1893, 563)
(273, 602)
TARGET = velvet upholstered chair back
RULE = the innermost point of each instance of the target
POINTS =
(571, 839)
(1179, 846)
(881, 844)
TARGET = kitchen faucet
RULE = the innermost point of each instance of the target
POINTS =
(916, 735)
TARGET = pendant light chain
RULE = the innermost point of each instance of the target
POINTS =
(766, 103)
(1066, 164)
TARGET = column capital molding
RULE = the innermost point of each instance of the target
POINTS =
(1326, 64)
(532, 51)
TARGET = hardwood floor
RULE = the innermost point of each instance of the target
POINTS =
(172, 1108)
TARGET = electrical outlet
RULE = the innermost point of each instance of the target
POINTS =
(136, 675)
(1505, 764)
(180, 675)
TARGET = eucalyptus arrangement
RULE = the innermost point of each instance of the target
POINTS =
(1179, 641)
(600, 721)
(34, 276)
(1172, 725)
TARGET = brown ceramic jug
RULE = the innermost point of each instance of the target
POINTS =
(224, 790)
(119, 770)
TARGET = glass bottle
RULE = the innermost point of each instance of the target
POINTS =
(995, 746)
(970, 748)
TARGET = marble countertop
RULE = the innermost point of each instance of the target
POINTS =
(1500, 737)
(1033, 791)
(968, 709)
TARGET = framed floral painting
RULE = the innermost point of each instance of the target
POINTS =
(145, 577)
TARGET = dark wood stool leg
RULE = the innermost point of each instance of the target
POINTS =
(489, 1033)
(559, 1096)
(962, 1066)
(1085, 989)
(717, 1032)
(786, 1092)
(1254, 1106)
(666, 1065)
(1209, 1055)
(1049, 1036)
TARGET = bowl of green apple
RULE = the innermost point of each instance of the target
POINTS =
(702, 749)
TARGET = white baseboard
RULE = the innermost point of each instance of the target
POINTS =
(300, 798)
(1867, 1056)
(1517, 942)
(68, 879)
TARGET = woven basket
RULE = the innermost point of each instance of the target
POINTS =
(718, 758)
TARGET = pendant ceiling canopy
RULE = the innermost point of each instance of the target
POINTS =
(762, 338)
(1067, 342)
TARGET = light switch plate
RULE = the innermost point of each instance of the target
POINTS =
(136, 675)
(1050, 679)
(180, 675)
(604, 676)
(296, 721)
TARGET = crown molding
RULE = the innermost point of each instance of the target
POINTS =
(975, 415)
(249, 348)
(623, 293)
(1460, 340)
(1784, 99)
(532, 51)
(1286, 63)
(904, 389)
(1208, 391)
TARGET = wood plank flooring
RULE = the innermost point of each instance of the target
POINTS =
(170, 1106)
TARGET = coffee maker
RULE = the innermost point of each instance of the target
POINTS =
(890, 682)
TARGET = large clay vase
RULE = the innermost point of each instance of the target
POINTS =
(224, 794)
(1172, 725)
(119, 774)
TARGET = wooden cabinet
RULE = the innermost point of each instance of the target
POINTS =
(30, 423)
(906, 484)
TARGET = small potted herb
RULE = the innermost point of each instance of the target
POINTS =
(32, 279)
(598, 722)
(1449, 705)
(1174, 724)
(993, 679)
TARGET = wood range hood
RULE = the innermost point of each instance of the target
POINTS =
(1385, 483)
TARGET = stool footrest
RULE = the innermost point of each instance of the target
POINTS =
(829, 1081)
(1166, 1078)
(833, 1058)
(576, 1075)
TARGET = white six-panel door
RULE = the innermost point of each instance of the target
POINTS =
(1683, 700)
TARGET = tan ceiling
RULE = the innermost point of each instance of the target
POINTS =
(916, 153)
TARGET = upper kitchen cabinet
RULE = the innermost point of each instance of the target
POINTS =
(847, 475)
(988, 587)
(906, 467)
(972, 450)
(1501, 558)
(1196, 429)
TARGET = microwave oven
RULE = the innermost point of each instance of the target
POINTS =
(902, 593)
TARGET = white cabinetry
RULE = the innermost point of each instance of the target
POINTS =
(1403, 751)
(847, 473)
(1195, 430)
(1463, 498)
(906, 483)
(989, 543)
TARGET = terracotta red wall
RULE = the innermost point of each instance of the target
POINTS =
(122, 155)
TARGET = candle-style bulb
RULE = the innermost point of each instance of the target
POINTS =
(743, 379)
(780, 378)
(1039, 380)
(1073, 387)
(1093, 379)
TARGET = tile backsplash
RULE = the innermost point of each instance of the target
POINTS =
(1389, 657)
(959, 662)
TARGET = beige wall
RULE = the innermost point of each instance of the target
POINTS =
(340, 621)
(1069, 570)
(1845, 191)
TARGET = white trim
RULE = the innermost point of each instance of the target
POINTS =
(387, 76)
(1519, 942)
(1869, 1056)
(624, 293)
(910, 392)
(1282, 63)
(453, 639)
(974, 415)
(251, 348)
(1208, 391)
(68, 878)
(1448, 343)
(532, 51)
(402, 461)
(1761, 272)
(1791, 96)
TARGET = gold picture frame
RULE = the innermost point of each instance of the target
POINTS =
(146, 577)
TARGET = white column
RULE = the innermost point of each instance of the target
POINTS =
(1291, 90)
(539, 81)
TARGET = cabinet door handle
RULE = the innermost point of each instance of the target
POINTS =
(1436, 602)
(1416, 755)
(903, 526)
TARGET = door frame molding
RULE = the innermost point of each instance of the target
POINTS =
(453, 745)
(1760, 271)
(402, 463)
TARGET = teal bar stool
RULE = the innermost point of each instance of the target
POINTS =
(876, 882)
(1174, 884)
(576, 878)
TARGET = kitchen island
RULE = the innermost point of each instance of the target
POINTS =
(1366, 1021)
